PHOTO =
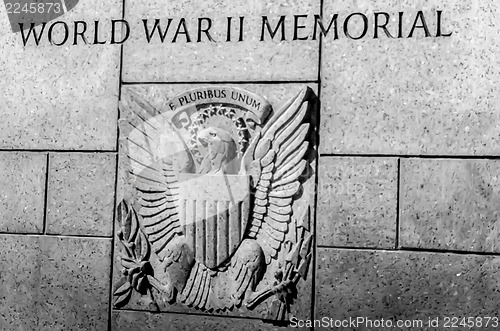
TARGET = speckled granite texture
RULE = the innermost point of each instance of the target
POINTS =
(405, 285)
(250, 59)
(22, 191)
(81, 193)
(134, 321)
(60, 97)
(450, 204)
(420, 95)
(51, 283)
(357, 200)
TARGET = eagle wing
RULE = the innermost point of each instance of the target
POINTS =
(156, 177)
(275, 159)
(158, 193)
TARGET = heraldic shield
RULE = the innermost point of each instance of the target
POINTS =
(214, 211)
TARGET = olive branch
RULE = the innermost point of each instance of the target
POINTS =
(137, 272)
(295, 266)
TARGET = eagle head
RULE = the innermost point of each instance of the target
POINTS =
(221, 149)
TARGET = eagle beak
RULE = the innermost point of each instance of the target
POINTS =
(203, 141)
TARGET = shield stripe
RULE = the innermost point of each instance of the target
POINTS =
(190, 225)
(222, 230)
(211, 234)
(245, 209)
(200, 229)
(214, 212)
(182, 214)
(234, 225)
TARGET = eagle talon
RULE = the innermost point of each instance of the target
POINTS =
(167, 289)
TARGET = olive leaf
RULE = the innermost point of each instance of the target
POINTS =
(134, 258)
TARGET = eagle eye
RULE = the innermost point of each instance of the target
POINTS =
(213, 134)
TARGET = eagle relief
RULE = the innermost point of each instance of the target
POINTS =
(215, 212)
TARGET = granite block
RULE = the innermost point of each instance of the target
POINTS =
(359, 90)
(53, 283)
(450, 204)
(22, 191)
(61, 97)
(419, 95)
(81, 193)
(401, 285)
(219, 60)
(134, 321)
(357, 200)
(448, 89)
(133, 116)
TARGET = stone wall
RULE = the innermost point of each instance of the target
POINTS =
(406, 204)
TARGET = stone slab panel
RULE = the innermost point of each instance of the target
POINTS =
(450, 204)
(61, 97)
(53, 283)
(357, 201)
(250, 59)
(419, 95)
(401, 285)
(134, 321)
(22, 191)
(81, 193)
(158, 96)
